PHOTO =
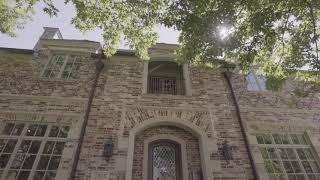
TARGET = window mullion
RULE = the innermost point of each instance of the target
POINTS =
(63, 66)
(38, 156)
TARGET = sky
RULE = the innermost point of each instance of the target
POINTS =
(27, 37)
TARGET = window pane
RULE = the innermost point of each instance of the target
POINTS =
(48, 147)
(17, 129)
(296, 166)
(301, 154)
(54, 163)
(294, 139)
(308, 153)
(272, 153)
(260, 139)
(315, 166)
(8, 129)
(291, 153)
(283, 153)
(12, 174)
(23, 175)
(39, 175)
(54, 66)
(264, 153)
(287, 166)
(64, 131)
(35, 147)
(10, 146)
(17, 162)
(32, 129)
(277, 138)
(24, 147)
(58, 148)
(54, 131)
(267, 139)
(41, 130)
(4, 158)
(28, 162)
(2, 144)
(164, 162)
(307, 166)
(277, 166)
(42, 165)
(285, 139)
(268, 165)
(50, 175)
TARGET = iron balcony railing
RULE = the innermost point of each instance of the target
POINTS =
(165, 85)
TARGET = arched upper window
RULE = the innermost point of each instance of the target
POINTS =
(164, 160)
(165, 77)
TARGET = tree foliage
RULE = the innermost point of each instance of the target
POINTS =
(280, 38)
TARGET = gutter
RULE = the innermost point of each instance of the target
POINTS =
(243, 132)
(99, 66)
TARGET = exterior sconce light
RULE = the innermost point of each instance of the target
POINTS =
(108, 149)
(227, 151)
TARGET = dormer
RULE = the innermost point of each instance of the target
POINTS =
(48, 33)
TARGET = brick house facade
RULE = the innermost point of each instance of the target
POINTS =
(62, 118)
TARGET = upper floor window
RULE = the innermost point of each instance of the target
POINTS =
(255, 82)
(288, 156)
(63, 66)
(165, 78)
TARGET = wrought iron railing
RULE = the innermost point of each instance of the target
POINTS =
(165, 85)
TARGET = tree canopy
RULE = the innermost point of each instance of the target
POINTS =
(279, 38)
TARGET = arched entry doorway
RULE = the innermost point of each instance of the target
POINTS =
(145, 133)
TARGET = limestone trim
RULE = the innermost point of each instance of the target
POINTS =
(203, 142)
(199, 118)
(165, 137)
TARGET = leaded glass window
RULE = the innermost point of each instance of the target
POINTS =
(27, 151)
(63, 66)
(164, 161)
(288, 156)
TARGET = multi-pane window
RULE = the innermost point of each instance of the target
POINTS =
(63, 66)
(288, 156)
(255, 82)
(31, 151)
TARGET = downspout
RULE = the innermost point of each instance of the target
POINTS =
(99, 66)
(243, 132)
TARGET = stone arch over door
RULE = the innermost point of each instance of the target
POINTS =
(154, 122)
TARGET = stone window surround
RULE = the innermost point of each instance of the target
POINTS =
(257, 156)
(204, 145)
(66, 53)
(186, 76)
(72, 120)
(164, 137)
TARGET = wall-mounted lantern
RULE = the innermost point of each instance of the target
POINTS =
(227, 151)
(108, 149)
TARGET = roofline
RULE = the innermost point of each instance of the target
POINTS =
(16, 50)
